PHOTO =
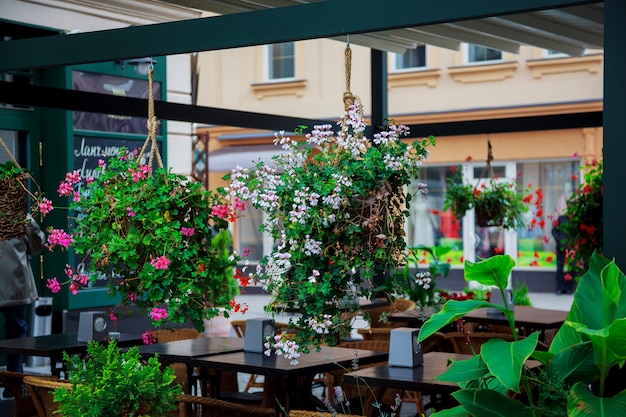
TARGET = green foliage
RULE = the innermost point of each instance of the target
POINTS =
(499, 202)
(337, 205)
(520, 295)
(584, 226)
(571, 381)
(421, 286)
(10, 170)
(128, 218)
(110, 383)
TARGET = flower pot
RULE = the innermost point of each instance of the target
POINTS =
(13, 219)
(489, 217)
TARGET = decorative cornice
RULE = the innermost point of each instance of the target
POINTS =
(483, 73)
(414, 78)
(280, 88)
(589, 63)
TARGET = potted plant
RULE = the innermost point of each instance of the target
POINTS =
(583, 225)
(116, 384)
(336, 206)
(158, 240)
(573, 379)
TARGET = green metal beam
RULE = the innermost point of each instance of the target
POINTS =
(613, 142)
(328, 19)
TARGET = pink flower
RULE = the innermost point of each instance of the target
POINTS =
(132, 296)
(221, 211)
(130, 211)
(239, 204)
(89, 180)
(148, 338)
(158, 314)
(53, 285)
(160, 263)
(45, 206)
(101, 163)
(76, 197)
(58, 237)
(74, 288)
(188, 231)
(65, 189)
(112, 316)
(72, 177)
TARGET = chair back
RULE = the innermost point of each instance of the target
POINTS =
(476, 339)
(194, 406)
(375, 313)
(42, 392)
(172, 335)
(13, 382)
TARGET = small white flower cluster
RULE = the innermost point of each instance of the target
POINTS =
(284, 141)
(423, 279)
(353, 142)
(393, 163)
(313, 276)
(312, 247)
(282, 346)
(320, 135)
(321, 326)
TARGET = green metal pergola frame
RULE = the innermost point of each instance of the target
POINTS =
(331, 18)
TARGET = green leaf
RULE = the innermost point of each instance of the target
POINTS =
(505, 360)
(488, 403)
(451, 311)
(582, 403)
(575, 363)
(491, 271)
(465, 370)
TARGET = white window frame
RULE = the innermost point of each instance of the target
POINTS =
(394, 65)
(268, 60)
(466, 56)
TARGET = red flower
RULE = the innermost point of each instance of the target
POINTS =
(498, 251)
(549, 258)
(534, 263)
(201, 267)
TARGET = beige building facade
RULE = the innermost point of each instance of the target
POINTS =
(445, 86)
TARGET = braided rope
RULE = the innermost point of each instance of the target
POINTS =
(8, 151)
(153, 125)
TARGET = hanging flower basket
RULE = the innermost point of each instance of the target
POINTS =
(489, 216)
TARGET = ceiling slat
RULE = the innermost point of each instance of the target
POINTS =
(523, 37)
(591, 40)
(425, 38)
(469, 36)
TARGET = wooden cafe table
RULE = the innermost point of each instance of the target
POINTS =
(53, 346)
(530, 318)
(286, 386)
(184, 351)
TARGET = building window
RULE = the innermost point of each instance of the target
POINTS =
(411, 59)
(281, 61)
(557, 180)
(480, 54)
(428, 224)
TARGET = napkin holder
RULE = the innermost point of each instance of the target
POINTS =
(404, 350)
(92, 325)
(496, 298)
(257, 330)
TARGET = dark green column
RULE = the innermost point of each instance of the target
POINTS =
(614, 137)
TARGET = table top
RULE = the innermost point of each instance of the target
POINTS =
(185, 350)
(420, 378)
(54, 344)
(328, 359)
(537, 318)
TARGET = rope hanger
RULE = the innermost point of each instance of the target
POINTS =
(153, 125)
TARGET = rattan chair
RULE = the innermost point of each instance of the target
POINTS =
(23, 405)
(375, 313)
(180, 369)
(192, 406)
(41, 390)
(460, 345)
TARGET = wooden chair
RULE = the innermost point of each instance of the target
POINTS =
(362, 395)
(41, 390)
(23, 405)
(193, 406)
(172, 335)
(460, 345)
(375, 313)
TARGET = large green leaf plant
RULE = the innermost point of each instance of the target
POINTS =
(572, 377)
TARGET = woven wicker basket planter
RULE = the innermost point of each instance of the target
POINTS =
(13, 203)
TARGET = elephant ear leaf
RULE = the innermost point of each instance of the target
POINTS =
(505, 360)
(583, 403)
(488, 403)
(491, 271)
(451, 311)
